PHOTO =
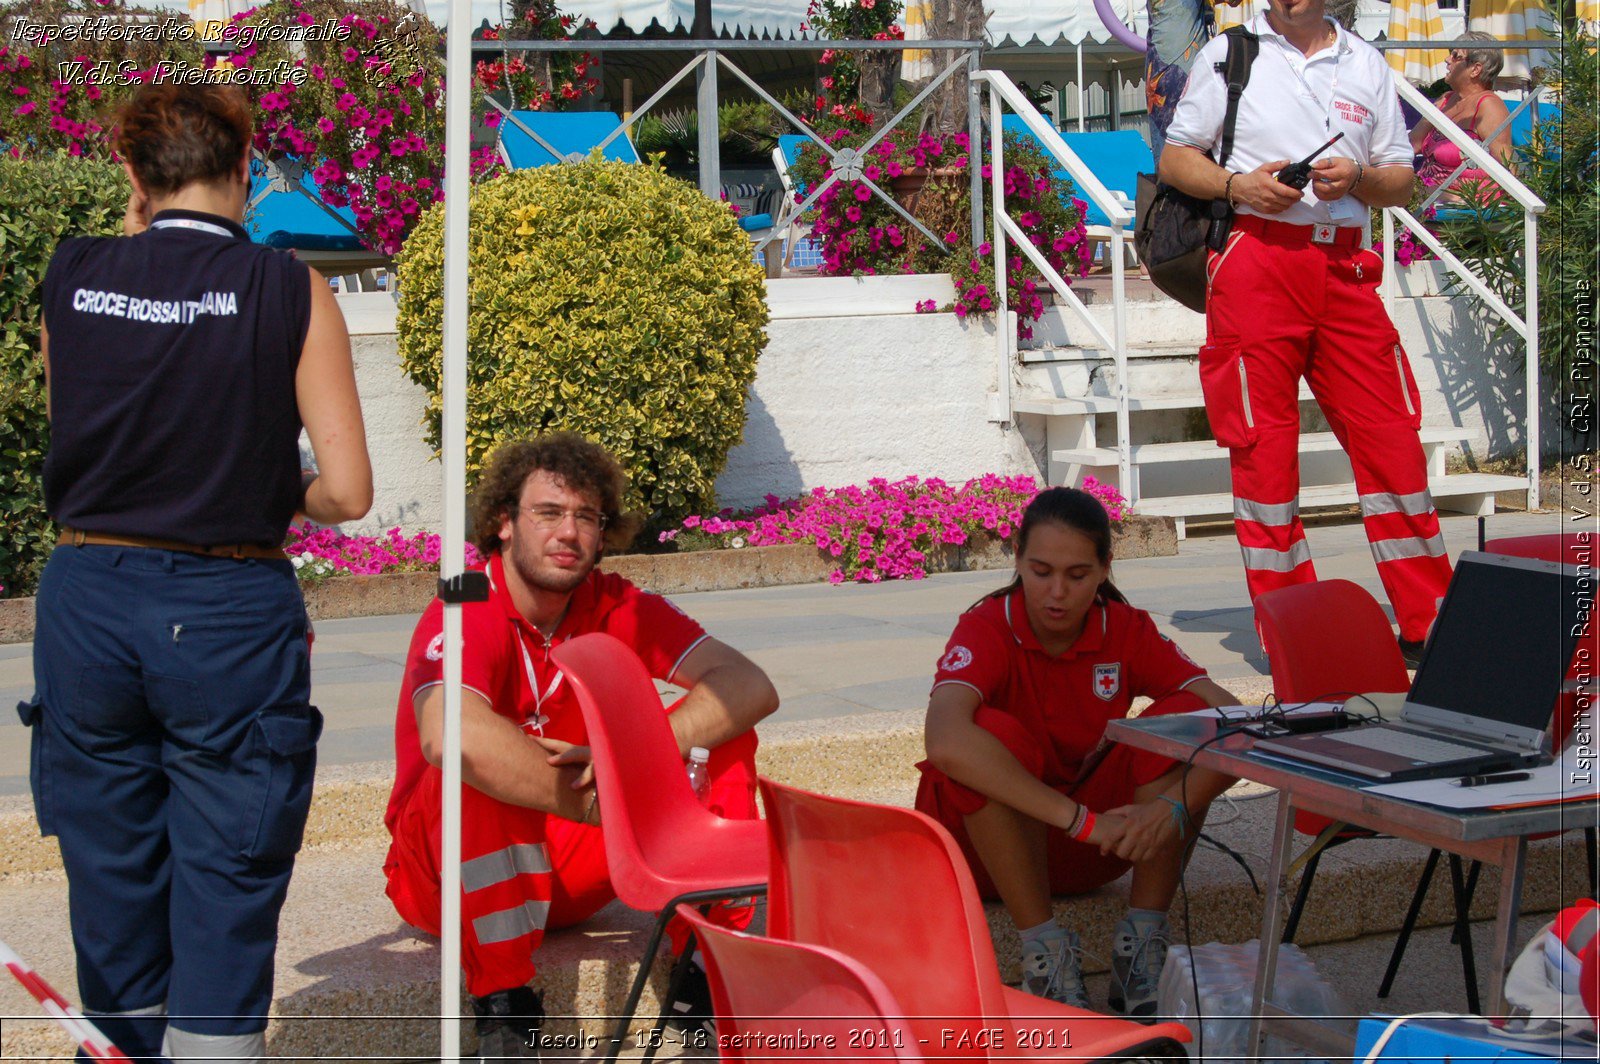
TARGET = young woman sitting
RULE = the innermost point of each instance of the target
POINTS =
(1019, 769)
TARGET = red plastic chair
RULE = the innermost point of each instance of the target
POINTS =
(662, 846)
(1575, 548)
(779, 1000)
(890, 887)
(1324, 641)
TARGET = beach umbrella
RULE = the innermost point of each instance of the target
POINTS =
(917, 63)
(1229, 15)
(1516, 20)
(1417, 20)
(204, 12)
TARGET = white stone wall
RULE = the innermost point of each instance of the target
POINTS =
(407, 481)
(879, 393)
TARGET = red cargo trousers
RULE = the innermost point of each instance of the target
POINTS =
(1286, 302)
(523, 872)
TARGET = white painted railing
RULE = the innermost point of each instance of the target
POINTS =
(1002, 91)
(1525, 325)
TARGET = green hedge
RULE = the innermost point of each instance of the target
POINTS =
(609, 299)
(42, 201)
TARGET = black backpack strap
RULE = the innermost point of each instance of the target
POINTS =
(1243, 46)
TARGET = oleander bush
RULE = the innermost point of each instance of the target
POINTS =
(1561, 166)
(609, 299)
(43, 200)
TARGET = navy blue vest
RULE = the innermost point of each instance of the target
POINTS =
(172, 366)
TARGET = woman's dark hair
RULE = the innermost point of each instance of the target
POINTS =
(1074, 509)
(174, 135)
(581, 465)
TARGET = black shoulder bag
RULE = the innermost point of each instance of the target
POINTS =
(1174, 229)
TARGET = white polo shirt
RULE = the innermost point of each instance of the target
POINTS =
(1291, 105)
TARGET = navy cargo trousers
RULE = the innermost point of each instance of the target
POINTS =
(174, 745)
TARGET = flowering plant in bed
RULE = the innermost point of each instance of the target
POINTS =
(884, 530)
(322, 552)
(861, 234)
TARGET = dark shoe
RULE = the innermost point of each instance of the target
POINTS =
(508, 1023)
(1411, 650)
(692, 1013)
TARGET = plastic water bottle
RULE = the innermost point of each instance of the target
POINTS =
(699, 772)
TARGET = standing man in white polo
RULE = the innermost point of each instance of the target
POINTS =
(1294, 294)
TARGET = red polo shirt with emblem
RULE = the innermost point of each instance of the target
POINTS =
(1064, 701)
(506, 660)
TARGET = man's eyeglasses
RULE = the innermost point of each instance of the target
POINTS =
(547, 517)
(1458, 57)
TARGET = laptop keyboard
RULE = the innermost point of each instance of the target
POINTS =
(1407, 744)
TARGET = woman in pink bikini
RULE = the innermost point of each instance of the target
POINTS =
(1473, 106)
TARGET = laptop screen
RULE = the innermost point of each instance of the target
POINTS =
(1503, 641)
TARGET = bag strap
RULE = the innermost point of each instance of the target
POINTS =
(1243, 47)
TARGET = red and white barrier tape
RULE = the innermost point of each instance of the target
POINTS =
(86, 1034)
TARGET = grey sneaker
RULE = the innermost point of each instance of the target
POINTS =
(1136, 963)
(1052, 968)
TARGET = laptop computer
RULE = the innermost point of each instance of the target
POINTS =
(1489, 678)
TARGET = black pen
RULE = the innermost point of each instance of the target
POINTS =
(1482, 781)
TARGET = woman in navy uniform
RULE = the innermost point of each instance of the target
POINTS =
(174, 740)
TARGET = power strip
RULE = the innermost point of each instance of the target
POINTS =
(1296, 724)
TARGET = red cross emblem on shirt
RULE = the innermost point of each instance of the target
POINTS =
(1107, 681)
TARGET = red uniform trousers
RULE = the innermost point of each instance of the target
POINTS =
(1282, 307)
(1075, 867)
(523, 872)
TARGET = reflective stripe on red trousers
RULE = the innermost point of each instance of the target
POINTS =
(1280, 310)
(523, 872)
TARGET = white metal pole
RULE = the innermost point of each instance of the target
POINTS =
(1530, 318)
(458, 187)
(1002, 320)
(1390, 263)
(1083, 100)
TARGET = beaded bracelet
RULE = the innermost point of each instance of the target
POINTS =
(1361, 172)
(1227, 189)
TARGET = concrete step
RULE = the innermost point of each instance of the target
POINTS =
(1152, 319)
(1206, 450)
(836, 297)
(1099, 401)
(1460, 492)
(352, 980)
(1044, 355)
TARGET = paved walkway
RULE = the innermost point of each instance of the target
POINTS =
(831, 651)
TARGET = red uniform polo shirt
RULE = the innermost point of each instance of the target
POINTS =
(1065, 701)
(505, 659)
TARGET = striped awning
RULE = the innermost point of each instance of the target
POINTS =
(1417, 20)
(1516, 20)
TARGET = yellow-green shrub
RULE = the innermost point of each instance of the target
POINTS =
(609, 299)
